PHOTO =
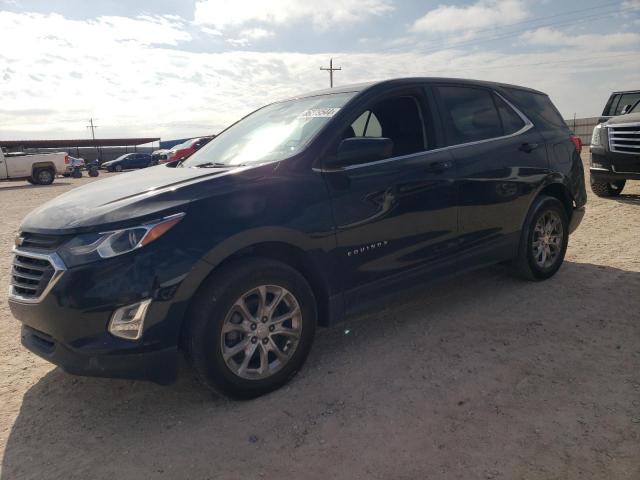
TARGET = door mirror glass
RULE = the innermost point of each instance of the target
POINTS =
(357, 150)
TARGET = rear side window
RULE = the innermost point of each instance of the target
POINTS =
(511, 121)
(538, 105)
(471, 114)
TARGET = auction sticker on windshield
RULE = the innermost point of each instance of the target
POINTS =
(319, 113)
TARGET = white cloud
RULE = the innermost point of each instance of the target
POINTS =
(449, 19)
(322, 14)
(256, 33)
(248, 35)
(59, 72)
(550, 37)
(211, 31)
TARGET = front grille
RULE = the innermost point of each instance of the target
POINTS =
(33, 275)
(30, 276)
(43, 242)
(625, 139)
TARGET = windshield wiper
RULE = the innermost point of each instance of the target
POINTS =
(219, 165)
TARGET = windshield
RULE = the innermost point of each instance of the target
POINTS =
(121, 157)
(274, 132)
(635, 108)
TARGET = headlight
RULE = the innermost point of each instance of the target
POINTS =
(595, 137)
(94, 246)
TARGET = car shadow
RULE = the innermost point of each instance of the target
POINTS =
(75, 427)
(28, 185)
(629, 198)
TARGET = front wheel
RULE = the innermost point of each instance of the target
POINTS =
(607, 189)
(251, 327)
(118, 168)
(543, 241)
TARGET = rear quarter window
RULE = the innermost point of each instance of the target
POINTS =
(539, 106)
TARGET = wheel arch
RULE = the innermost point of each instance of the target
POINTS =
(287, 253)
(39, 165)
(560, 191)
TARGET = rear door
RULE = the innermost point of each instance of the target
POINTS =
(499, 159)
(395, 218)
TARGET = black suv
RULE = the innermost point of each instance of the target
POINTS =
(303, 212)
(615, 150)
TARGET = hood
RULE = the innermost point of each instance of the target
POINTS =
(628, 118)
(127, 199)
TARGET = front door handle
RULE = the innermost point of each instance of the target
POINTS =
(438, 167)
(528, 147)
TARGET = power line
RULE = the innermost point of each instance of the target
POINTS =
(552, 62)
(573, 21)
(331, 70)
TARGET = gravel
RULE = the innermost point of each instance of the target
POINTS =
(482, 376)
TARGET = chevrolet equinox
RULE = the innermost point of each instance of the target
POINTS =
(303, 212)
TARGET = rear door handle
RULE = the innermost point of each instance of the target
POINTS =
(439, 166)
(528, 147)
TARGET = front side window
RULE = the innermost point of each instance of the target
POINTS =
(627, 100)
(396, 118)
(274, 132)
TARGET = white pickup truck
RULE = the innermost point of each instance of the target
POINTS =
(39, 168)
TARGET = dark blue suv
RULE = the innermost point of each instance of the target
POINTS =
(303, 212)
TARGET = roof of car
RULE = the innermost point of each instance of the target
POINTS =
(408, 81)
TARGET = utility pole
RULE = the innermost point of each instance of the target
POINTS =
(331, 70)
(93, 135)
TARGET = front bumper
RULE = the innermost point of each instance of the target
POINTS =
(158, 366)
(69, 325)
(606, 166)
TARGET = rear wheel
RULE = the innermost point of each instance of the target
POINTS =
(607, 189)
(43, 176)
(251, 327)
(544, 240)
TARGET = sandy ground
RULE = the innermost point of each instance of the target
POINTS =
(480, 377)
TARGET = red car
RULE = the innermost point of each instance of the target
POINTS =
(185, 149)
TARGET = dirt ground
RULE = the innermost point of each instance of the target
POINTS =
(480, 377)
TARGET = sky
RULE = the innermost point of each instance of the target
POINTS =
(180, 68)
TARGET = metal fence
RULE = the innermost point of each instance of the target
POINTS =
(583, 127)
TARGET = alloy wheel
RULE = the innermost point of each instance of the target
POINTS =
(44, 177)
(548, 236)
(261, 332)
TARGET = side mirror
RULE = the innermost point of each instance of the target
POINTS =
(357, 150)
(625, 109)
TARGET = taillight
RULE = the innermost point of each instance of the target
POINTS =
(577, 142)
(66, 160)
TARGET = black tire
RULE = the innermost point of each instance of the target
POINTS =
(607, 189)
(213, 304)
(31, 181)
(93, 172)
(76, 173)
(43, 176)
(526, 264)
(117, 168)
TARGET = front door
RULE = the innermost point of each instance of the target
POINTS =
(396, 218)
